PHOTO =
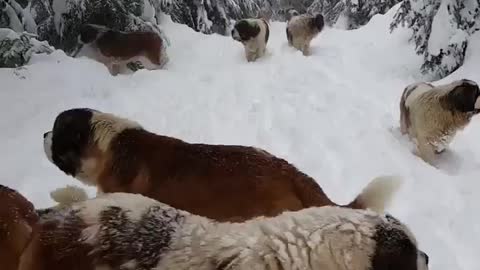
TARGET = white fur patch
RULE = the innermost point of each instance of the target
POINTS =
(378, 194)
(86, 172)
(69, 195)
(420, 88)
(91, 209)
(477, 103)
(47, 145)
(106, 126)
(421, 263)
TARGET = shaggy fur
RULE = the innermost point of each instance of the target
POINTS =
(115, 48)
(431, 115)
(64, 197)
(302, 29)
(129, 231)
(17, 217)
(223, 182)
(253, 34)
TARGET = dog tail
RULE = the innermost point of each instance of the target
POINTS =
(378, 194)
(68, 195)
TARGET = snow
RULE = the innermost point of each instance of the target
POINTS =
(335, 115)
(59, 8)
(442, 29)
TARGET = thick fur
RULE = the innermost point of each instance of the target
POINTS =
(223, 182)
(432, 115)
(17, 217)
(68, 195)
(301, 29)
(130, 231)
(115, 48)
(253, 34)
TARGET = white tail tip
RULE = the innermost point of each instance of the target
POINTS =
(68, 195)
(378, 194)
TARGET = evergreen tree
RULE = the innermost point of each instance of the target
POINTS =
(16, 49)
(441, 31)
(352, 13)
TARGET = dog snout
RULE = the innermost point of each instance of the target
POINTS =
(425, 257)
(45, 134)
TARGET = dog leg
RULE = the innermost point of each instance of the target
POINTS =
(115, 69)
(425, 151)
(403, 124)
(306, 49)
(251, 55)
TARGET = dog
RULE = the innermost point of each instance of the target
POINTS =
(116, 49)
(17, 218)
(301, 29)
(253, 34)
(130, 231)
(432, 115)
(223, 182)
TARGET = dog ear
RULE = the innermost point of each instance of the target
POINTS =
(254, 30)
(463, 97)
(87, 34)
(319, 22)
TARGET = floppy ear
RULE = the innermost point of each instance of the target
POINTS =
(463, 97)
(254, 30)
(319, 22)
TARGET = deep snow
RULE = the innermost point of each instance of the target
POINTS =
(334, 115)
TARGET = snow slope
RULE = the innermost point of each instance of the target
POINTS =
(334, 114)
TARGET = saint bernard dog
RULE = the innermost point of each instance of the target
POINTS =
(223, 182)
(301, 29)
(17, 217)
(131, 232)
(431, 115)
(253, 34)
(116, 49)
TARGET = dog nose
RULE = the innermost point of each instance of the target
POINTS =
(45, 135)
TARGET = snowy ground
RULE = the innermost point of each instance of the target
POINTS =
(334, 115)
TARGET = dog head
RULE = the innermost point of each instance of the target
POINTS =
(463, 96)
(396, 247)
(80, 140)
(245, 29)
(90, 32)
(291, 13)
(318, 22)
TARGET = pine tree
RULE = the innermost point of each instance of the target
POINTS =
(353, 13)
(16, 49)
(441, 31)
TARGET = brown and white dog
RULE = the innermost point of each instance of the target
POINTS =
(301, 29)
(17, 217)
(132, 232)
(223, 182)
(115, 48)
(431, 115)
(253, 34)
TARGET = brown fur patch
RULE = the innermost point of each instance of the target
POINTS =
(17, 217)
(114, 46)
(55, 246)
(187, 176)
(127, 45)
